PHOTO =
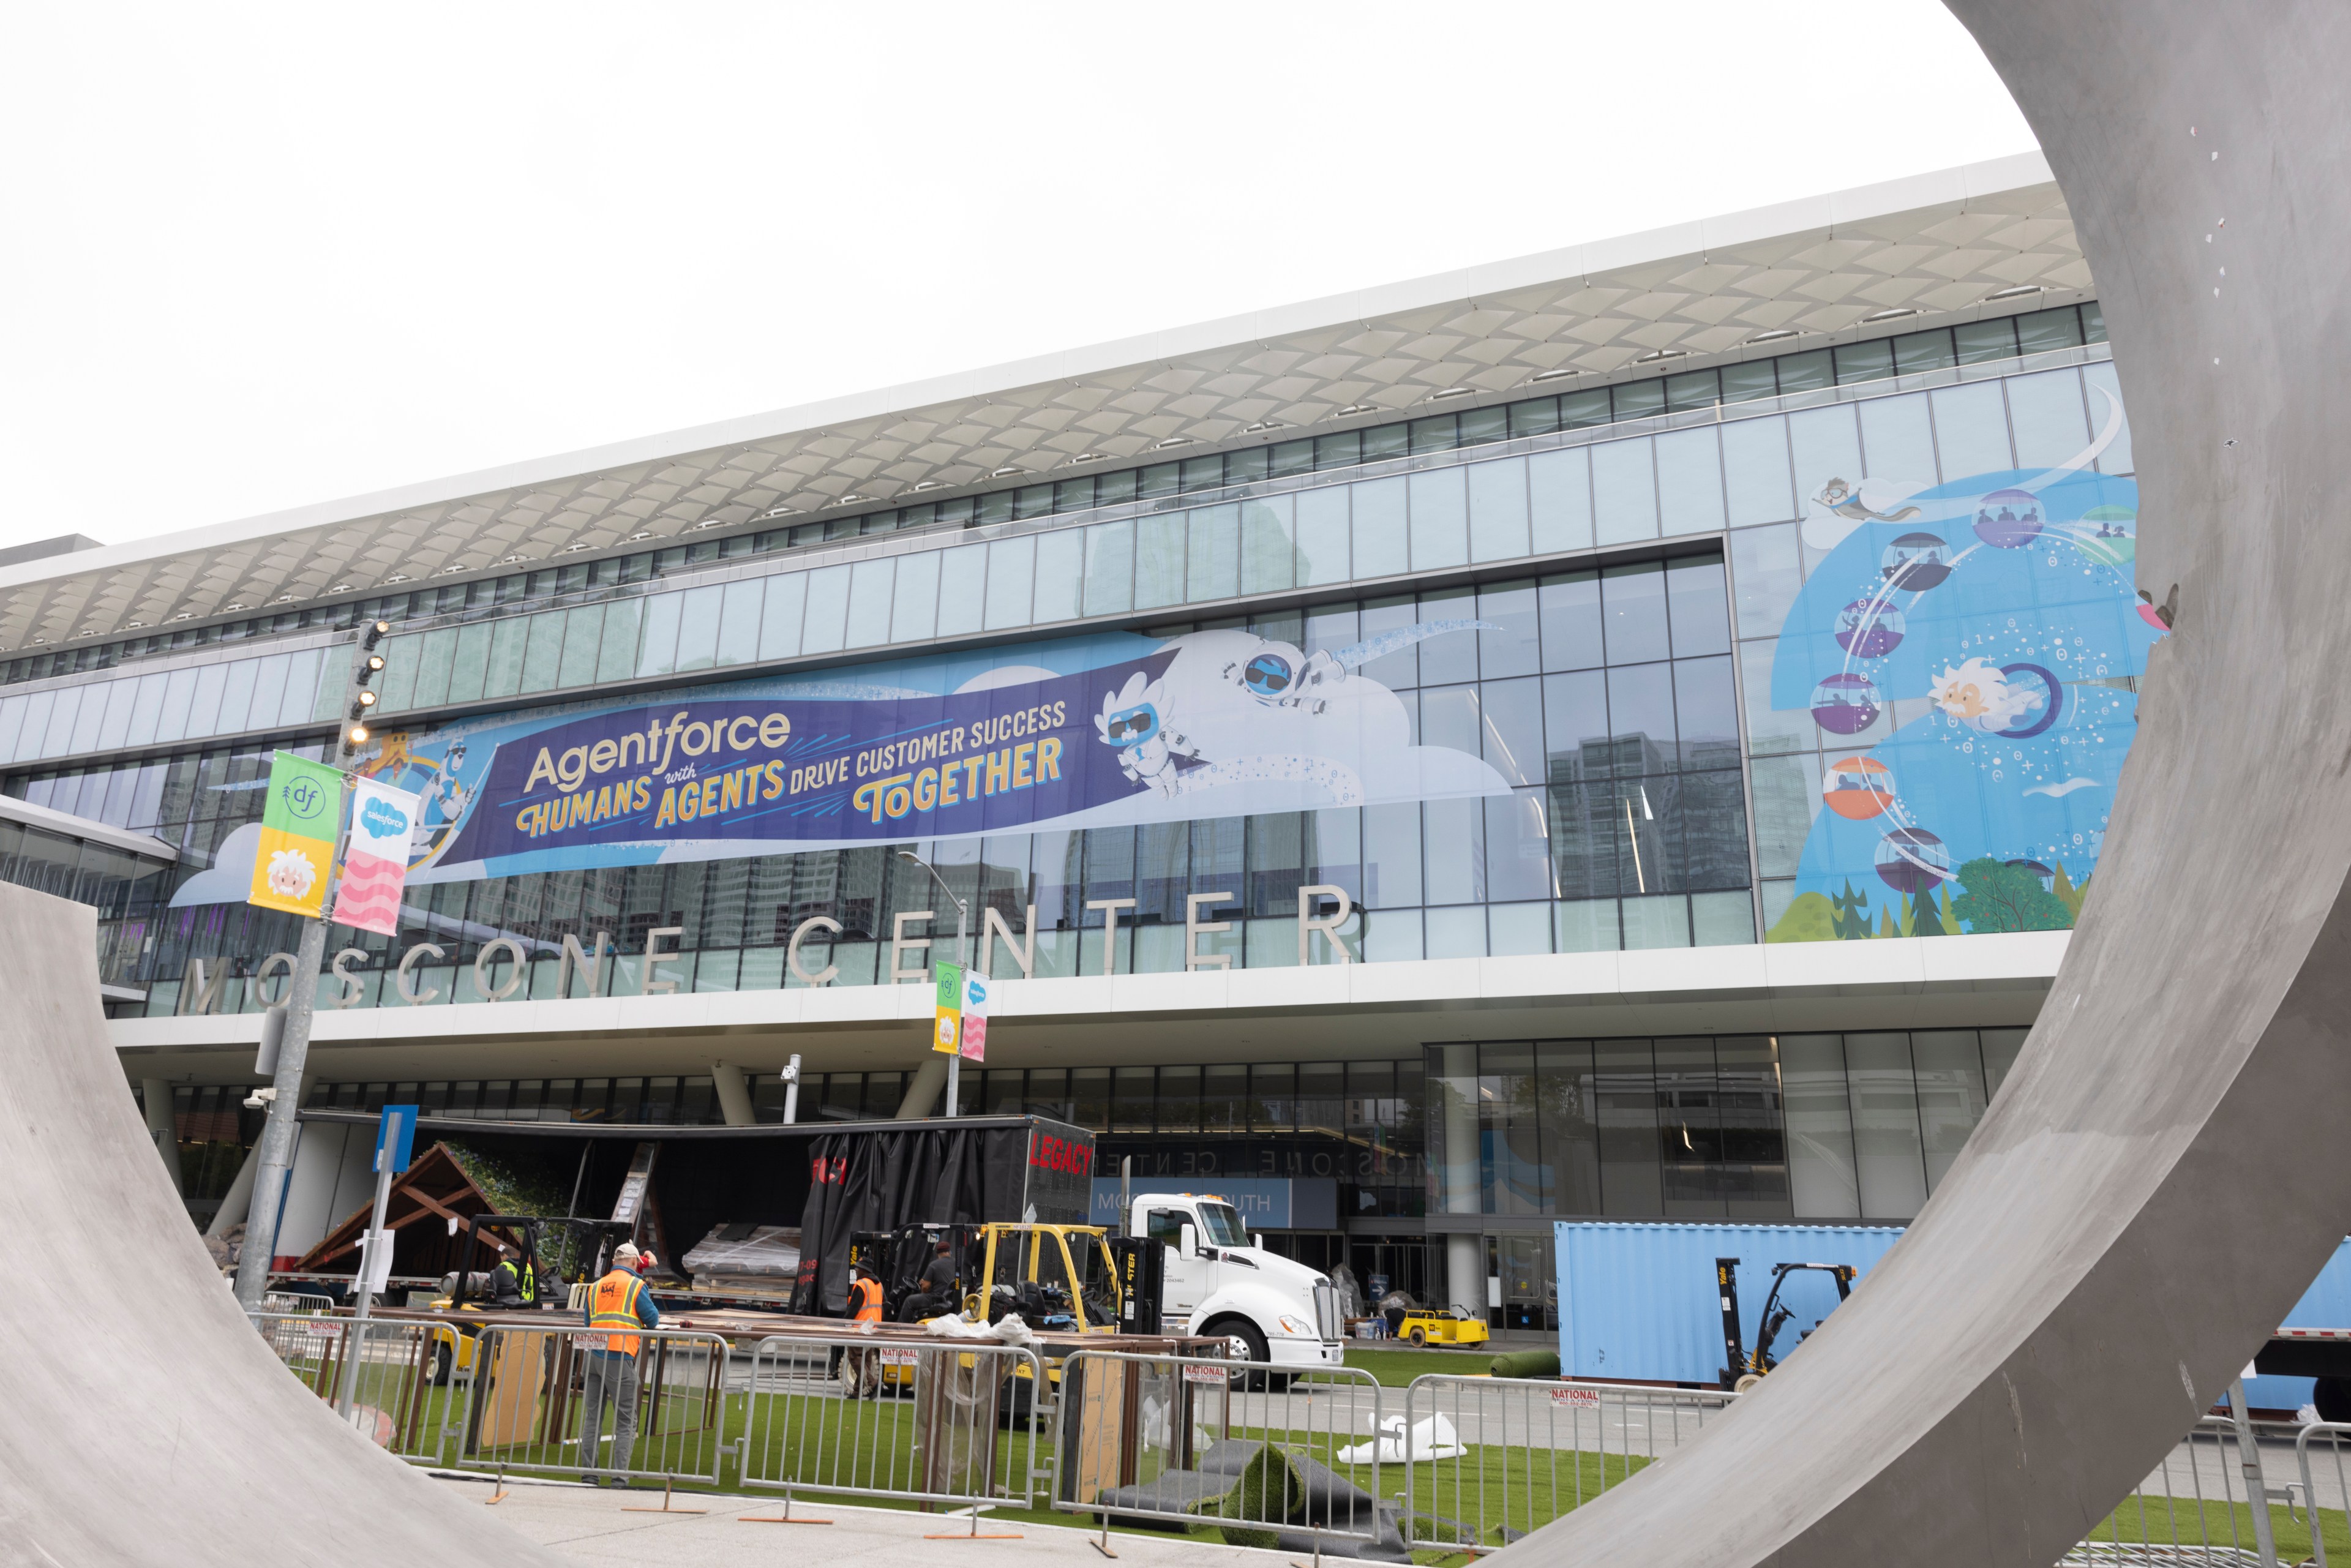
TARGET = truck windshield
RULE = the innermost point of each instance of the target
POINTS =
(1221, 1226)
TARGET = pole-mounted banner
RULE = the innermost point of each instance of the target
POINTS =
(375, 865)
(298, 825)
(962, 1012)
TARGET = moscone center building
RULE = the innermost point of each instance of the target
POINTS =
(1622, 733)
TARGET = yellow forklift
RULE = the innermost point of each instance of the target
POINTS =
(452, 1349)
(1744, 1371)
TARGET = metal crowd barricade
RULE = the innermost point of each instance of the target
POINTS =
(1272, 1456)
(2196, 1509)
(524, 1406)
(1485, 1460)
(2325, 1484)
(388, 1367)
(945, 1422)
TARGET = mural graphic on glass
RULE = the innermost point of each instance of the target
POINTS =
(1969, 653)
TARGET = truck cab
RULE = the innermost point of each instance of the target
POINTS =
(1219, 1281)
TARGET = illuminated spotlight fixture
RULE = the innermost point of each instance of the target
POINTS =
(1894, 315)
(366, 701)
(376, 632)
(1777, 335)
(2019, 292)
(355, 737)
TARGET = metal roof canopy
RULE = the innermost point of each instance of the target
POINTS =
(1936, 243)
(663, 1132)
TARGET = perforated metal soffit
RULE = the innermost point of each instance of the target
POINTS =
(1941, 243)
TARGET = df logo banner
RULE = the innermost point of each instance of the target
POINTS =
(299, 826)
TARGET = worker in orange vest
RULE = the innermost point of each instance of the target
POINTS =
(861, 1368)
(618, 1308)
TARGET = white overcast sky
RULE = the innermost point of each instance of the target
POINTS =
(253, 256)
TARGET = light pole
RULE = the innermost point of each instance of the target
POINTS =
(962, 957)
(285, 1094)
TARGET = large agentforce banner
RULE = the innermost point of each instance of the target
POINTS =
(1096, 731)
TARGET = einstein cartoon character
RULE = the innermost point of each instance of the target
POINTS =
(1149, 751)
(291, 874)
(1281, 676)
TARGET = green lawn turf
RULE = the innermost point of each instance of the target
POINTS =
(1395, 1366)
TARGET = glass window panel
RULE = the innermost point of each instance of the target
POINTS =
(1513, 1177)
(1638, 400)
(1323, 530)
(1060, 575)
(1213, 558)
(1575, 727)
(1268, 562)
(1634, 600)
(2106, 400)
(434, 654)
(1510, 728)
(2000, 1049)
(12, 725)
(2045, 415)
(1201, 473)
(1755, 472)
(469, 665)
(1689, 1128)
(1766, 570)
(1448, 717)
(1517, 648)
(1752, 380)
(1539, 417)
(779, 615)
(1109, 568)
(1689, 483)
(740, 612)
(1450, 655)
(1710, 806)
(698, 630)
(1692, 388)
(1722, 919)
(1869, 361)
(238, 694)
(1159, 559)
(1917, 352)
(1224, 1100)
(268, 695)
(2044, 329)
(1888, 1155)
(542, 654)
(1480, 425)
(658, 656)
(301, 686)
(1518, 851)
(576, 664)
(871, 585)
(1694, 594)
(826, 620)
(1655, 921)
(1341, 451)
(1559, 499)
(1708, 712)
(1825, 444)
(1805, 372)
(158, 696)
(1979, 343)
(1772, 730)
(1400, 669)
(1392, 856)
(1623, 491)
(1497, 510)
(1377, 508)
(34, 737)
(1289, 458)
(1453, 851)
(1624, 1101)
(1456, 933)
(204, 708)
(1895, 441)
(962, 590)
(1822, 1177)
(114, 721)
(1951, 1097)
(1441, 519)
(1580, 411)
(1569, 608)
(1434, 435)
(1787, 798)
(1970, 431)
(1570, 1140)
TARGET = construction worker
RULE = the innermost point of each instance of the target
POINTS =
(861, 1368)
(617, 1306)
(514, 1284)
(937, 1292)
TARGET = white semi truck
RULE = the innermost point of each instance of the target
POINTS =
(1219, 1281)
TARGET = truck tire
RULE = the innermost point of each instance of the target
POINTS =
(442, 1360)
(1248, 1344)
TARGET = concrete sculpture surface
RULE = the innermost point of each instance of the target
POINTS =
(143, 1419)
(2161, 1176)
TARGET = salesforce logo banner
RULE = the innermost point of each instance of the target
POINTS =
(1967, 653)
(1097, 731)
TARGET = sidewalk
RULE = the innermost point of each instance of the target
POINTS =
(591, 1526)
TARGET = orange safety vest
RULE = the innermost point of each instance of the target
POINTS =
(613, 1306)
(867, 1295)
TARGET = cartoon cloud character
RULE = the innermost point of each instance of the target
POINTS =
(1134, 719)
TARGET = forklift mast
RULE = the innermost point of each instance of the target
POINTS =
(1734, 1351)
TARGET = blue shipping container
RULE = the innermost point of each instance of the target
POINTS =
(2325, 1305)
(1637, 1301)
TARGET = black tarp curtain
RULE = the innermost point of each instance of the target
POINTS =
(879, 1181)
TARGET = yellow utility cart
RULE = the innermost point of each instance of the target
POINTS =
(1426, 1326)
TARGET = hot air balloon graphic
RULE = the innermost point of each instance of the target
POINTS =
(2105, 535)
(1857, 787)
(1917, 563)
(1847, 704)
(1869, 628)
(1913, 860)
(2009, 520)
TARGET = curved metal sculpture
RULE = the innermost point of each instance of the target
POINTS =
(143, 1419)
(2159, 1178)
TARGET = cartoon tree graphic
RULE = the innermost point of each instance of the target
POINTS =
(2007, 898)
(1950, 918)
(2067, 893)
(1928, 921)
(1885, 923)
(1851, 914)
